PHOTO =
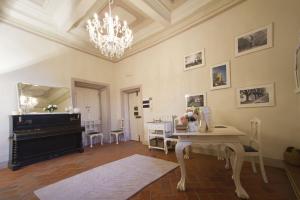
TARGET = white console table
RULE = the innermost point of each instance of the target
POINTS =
(159, 130)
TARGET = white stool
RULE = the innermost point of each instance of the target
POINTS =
(116, 133)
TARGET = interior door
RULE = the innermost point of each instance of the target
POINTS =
(134, 115)
(88, 101)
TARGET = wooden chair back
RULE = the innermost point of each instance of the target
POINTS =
(255, 133)
(92, 126)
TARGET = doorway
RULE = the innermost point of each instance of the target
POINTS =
(132, 113)
(92, 99)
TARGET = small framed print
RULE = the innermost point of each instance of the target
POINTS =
(256, 96)
(194, 60)
(220, 76)
(256, 40)
(196, 100)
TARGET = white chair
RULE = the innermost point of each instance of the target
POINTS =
(117, 132)
(93, 130)
(172, 138)
(253, 149)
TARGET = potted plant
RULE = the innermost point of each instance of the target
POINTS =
(50, 108)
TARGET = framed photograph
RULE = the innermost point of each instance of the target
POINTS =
(195, 100)
(256, 40)
(297, 69)
(256, 96)
(194, 60)
(220, 76)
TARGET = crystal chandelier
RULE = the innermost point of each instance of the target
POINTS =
(109, 35)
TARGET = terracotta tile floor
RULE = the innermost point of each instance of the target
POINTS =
(207, 177)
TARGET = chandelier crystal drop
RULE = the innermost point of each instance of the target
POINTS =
(109, 35)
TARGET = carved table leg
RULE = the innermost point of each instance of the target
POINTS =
(180, 146)
(227, 158)
(187, 152)
(237, 166)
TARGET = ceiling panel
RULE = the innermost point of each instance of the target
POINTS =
(39, 2)
(173, 4)
(152, 21)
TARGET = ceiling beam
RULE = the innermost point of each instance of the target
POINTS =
(96, 8)
(154, 9)
(80, 11)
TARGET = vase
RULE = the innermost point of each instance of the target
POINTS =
(193, 126)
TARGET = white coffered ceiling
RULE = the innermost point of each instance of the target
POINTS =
(152, 21)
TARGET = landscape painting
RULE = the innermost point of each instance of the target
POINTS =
(254, 41)
(220, 76)
(194, 60)
(256, 96)
(196, 100)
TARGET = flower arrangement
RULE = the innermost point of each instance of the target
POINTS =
(50, 108)
(191, 115)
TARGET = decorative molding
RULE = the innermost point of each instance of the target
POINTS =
(206, 12)
(173, 4)
(189, 7)
(162, 33)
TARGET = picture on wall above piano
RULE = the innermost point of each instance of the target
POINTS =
(36, 98)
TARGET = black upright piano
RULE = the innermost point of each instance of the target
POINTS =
(37, 137)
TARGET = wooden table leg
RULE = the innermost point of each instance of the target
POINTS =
(238, 160)
(180, 146)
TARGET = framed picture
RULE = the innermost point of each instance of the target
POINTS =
(256, 96)
(195, 100)
(220, 76)
(256, 40)
(194, 60)
(297, 69)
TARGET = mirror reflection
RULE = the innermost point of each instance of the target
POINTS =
(36, 98)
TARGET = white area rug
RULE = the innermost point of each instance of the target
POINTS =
(117, 180)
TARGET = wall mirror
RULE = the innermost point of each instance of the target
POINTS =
(35, 98)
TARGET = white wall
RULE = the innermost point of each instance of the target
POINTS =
(160, 71)
(39, 61)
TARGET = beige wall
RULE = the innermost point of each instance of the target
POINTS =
(39, 61)
(160, 71)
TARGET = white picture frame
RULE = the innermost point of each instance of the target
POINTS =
(256, 40)
(256, 96)
(195, 100)
(297, 69)
(220, 76)
(194, 60)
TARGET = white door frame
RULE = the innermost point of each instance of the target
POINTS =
(93, 85)
(124, 94)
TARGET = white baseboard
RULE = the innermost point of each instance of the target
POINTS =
(3, 165)
(267, 161)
